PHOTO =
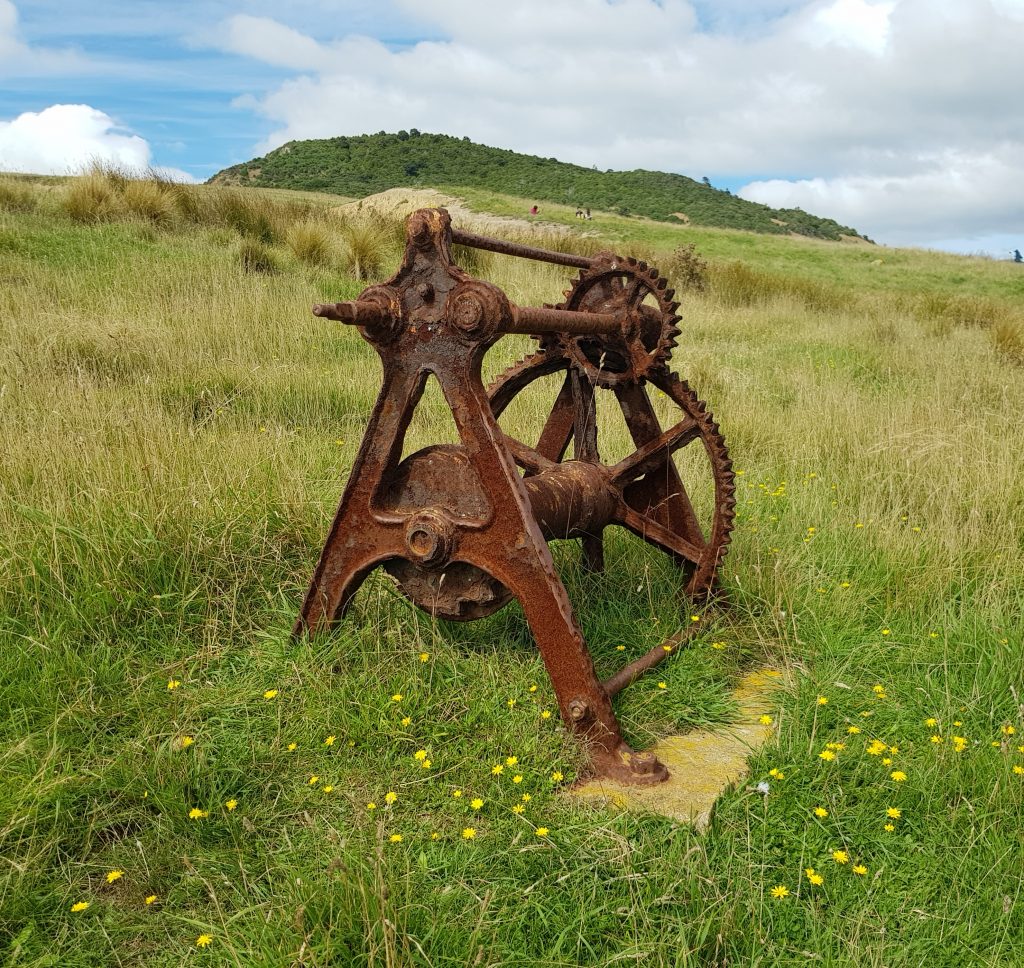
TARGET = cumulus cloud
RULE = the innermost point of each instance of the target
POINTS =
(65, 138)
(844, 107)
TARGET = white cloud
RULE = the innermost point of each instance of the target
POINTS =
(65, 138)
(855, 104)
(19, 59)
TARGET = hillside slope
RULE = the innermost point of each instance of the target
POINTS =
(366, 164)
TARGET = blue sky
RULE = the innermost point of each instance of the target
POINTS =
(900, 117)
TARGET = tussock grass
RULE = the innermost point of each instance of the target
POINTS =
(311, 242)
(176, 434)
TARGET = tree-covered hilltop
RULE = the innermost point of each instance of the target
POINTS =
(365, 164)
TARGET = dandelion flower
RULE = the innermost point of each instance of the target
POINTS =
(517, 779)
(859, 869)
(765, 720)
(292, 747)
(546, 714)
(526, 798)
(840, 856)
(468, 833)
(424, 657)
(886, 632)
(820, 812)
(510, 703)
(426, 764)
(780, 891)
(718, 645)
(898, 775)
(186, 742)
(329, 741)
(518, 808)
(231, 804)
(329, 788)
(371, 806)
(889, 828)
(497, 769)
(931, 721)
(151, 899)
(776, 773)
(390, 797)
(419, 755)
(1018, 769)
(815, 878)
(894, 812)
(397, 697)
(476, 803)
(822, 700)
(407, 720)
(853, 730)
(203, 941)
(511, 760)
(114, 876)
(557, 777)
(395, 838)
(876, 748)
(1009, 730)
(662, 685)
(886, 761)
(173, 684)
(270, 694)
(196, 814)
(456, 793)
(541, 831)
(79, 906)
(313, 780)
(827, 755)
(533, 688)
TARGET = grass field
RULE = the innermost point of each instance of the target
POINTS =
(181, 784)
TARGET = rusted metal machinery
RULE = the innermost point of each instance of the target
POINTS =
(462, 528)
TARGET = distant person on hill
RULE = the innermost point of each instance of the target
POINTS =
(579, 212)
(1017, 257)
(534, 210)
(588, 214)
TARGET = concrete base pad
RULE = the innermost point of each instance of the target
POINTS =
(701, 764)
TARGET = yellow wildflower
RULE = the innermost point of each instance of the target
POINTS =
(395, 838)
(390, 797)
(518, 808)
(876, 748)
(173, 684)
(931, 721)
(328, 788)
(456, 793)
(407, 720)
(820, 812)
(894, 812)
(397, 697)
(541, 831)
(533, 688)
(419, 755)
(898, 775)
(557, 777)
(371, 806)
(859, 869)
(765, 720)
(1009, 730)
(889, 828)
(270, 694)
(511, 760)
(662, 685)
(1018, 769)
(840, 856)
(203, 941)
(292, 747)
(79, 906)
(526, 798)
(231, 804)
(780, 891)
(815, 878)
(476, 803)
(424, 657)
(329, 741)
(426, 764)
(822, 700)
(497, 769)
(196, 814)
(853, 730)
(468, 833)
(936, 738)
(827, 755)
(313, 780)
(151, 899)
(546, 714)
(186, 742)
(114, 876)
(517, 779)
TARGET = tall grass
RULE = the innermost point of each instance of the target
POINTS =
(176, 434)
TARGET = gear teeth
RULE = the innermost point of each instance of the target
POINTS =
(662, 283)
(669, 294)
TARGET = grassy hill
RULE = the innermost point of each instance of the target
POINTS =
(176, 431)
(364, 164)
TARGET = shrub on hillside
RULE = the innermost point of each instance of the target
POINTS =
(256, 257)
(686, 269)
(15, 197)
(311, 242)
(92, 197)
(148, 199)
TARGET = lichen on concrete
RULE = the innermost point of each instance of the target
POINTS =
(701, 764)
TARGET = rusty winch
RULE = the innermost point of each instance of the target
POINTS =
(463, 528)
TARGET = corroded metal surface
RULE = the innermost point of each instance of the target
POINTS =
(463, 528)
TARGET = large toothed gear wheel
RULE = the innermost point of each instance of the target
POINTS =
(679, 499)
(614, 284)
